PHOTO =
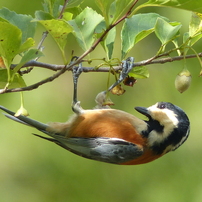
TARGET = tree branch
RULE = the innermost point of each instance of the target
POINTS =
(62, 68)
(55, 67)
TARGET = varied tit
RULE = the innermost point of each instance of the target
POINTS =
(117, 137)
(114, 136)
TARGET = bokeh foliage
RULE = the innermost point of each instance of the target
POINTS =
(35, 170)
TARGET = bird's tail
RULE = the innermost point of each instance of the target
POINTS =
(25, 120)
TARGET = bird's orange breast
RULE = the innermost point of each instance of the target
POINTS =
(108, 123)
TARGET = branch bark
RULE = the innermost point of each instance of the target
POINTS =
(62, 68)
(55, 67)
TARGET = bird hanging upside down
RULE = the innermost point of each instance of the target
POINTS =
(114, 136)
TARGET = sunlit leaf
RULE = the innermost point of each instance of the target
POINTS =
(195, 39)
(23, 22)
(10, 41)
(58, 29)
(195, 25)
(29, 55)
(67, 16)
(26, 45)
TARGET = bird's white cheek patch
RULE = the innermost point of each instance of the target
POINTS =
(167, 119)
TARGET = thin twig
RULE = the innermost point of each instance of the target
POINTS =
(44, 35)
(63, 9)
(36, 85)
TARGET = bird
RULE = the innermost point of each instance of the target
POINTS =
(115, 136)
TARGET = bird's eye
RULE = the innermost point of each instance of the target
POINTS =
(162, 106)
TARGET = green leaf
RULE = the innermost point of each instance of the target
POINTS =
(42, 15)
(58, 29)
(74, 3)
(29, 55)
(75, 11)
(17, 81)
(137, 28)
(165, 31)
(105, 7)
(195, 31)
(108, 43)
(10, 45)
(185, 37)
(52, 7)
(121, 8)
(26, 45)
(84, 26)
(10, 41)
(195, 39)
(191, 5)
(140, 72)
(195, 26)
(23, 22)
(67, 16)
(112, 10)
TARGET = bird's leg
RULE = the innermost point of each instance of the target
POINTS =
(76, 72)
(101, 99)
(127, 65)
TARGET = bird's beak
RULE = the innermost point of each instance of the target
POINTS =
(143, 111)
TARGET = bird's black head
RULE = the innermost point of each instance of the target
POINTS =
(168, 126)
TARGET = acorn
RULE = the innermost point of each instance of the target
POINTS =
(183, 80)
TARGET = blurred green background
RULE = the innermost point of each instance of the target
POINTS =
(32, 169)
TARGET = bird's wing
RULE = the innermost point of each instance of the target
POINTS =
(110, 150)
